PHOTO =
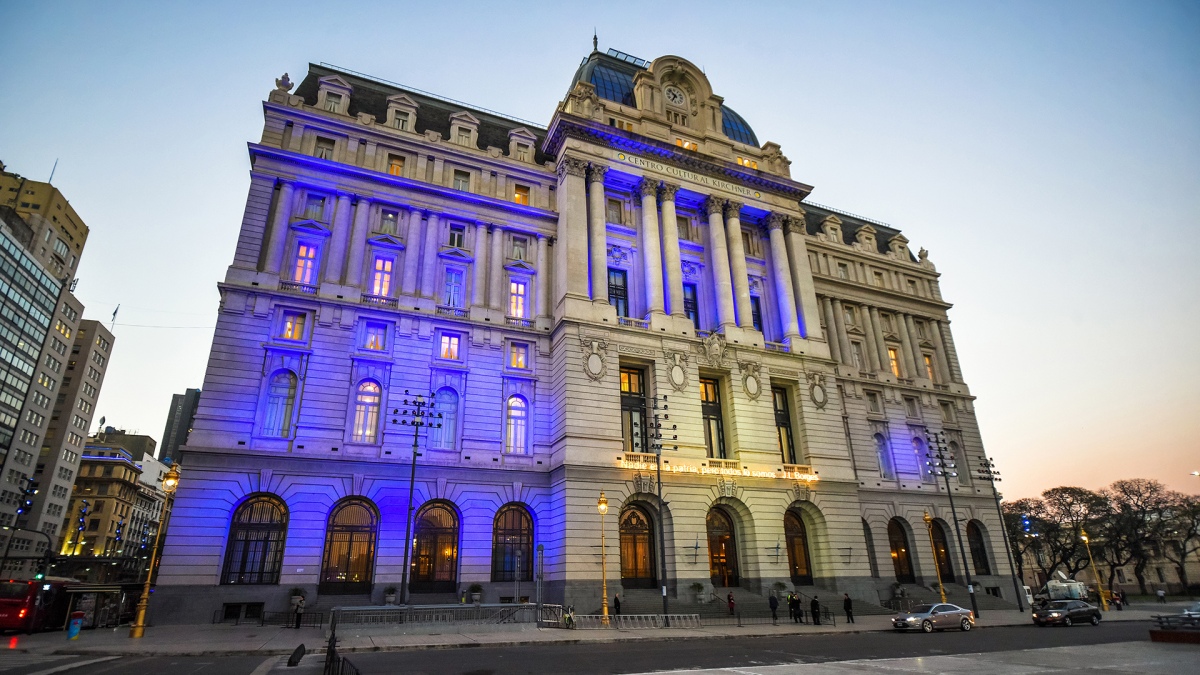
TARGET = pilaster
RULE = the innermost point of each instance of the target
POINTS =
(722, 283)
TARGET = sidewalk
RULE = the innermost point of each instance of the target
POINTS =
(226, 640)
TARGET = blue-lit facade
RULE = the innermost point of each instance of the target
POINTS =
(548, 292)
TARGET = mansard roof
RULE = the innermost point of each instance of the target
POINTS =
(815, 214)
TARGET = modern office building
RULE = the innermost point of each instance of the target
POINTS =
(179, 422)
(641, 271)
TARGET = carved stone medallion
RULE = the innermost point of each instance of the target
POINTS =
(714, 349)
(677, 371)
(594, 363)
(816, 389)
(751, 380)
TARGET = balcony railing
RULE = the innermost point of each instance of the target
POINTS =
(447, 310)
(633, 323)
(941, 387)
(703, 333)
(639, 458)
(798, 468)
(777, 346)
(723, 464)
(307, 289)
(380, 300)
(518, 321)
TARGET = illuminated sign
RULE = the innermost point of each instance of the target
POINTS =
(719, 471)
(684, 174)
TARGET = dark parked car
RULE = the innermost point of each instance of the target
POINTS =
(929, 618)
(1066, 613)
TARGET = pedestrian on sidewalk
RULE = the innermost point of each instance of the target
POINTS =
(617, 603)
(815, 608)
(1124, 598)
(729, 599)
(793, 607)
(773, 603)
(299, 611)
(1162, 596)
(848, 605)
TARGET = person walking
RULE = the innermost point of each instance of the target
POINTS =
(815, 608)
(617, 603)
(299, 611)
(848, 605)
(773, 603)
(1162, 596)
(794, 607)
(729, 599)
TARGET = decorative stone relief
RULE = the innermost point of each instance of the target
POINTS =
(714, 348)
(690, 270)
(618, 254)
(727, 487)
(677, 371)
(800, 492)
(643, 483)
(816, 389)
(280, 358)
(751, 379)
(283, 83)
(594, 362)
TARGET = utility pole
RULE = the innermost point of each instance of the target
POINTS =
(944, 467)
(657, 437)
(990, 473)
(419, 413)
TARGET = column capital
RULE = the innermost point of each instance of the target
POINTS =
(775, 221)
(596, 172)
(795, 226)
(571, 166)
(359, 200)
(667, 191)
(648, 187)
(714, 204)
(733, 209)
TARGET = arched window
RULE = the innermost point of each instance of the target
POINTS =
(518, 424)
(512, 544)
(281, 401)
(870, 539)
(445, 403)
(942, 551)
(923, 469)
(257, 533)
(901, 556)
(979, 556)
(348, 565)
(887, 468)
(722, 548)
(797, 548)
(435, 556)
(366, 412)
(637, 549)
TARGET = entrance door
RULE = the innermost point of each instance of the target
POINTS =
(348, 565)
(901, 557)
(797, 548)
(435, 557)
(942, 551)
(637, 549)
(722, 549)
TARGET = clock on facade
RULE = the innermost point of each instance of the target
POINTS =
(674, 96)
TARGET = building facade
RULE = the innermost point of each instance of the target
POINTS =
(179, 422)
(641, 272)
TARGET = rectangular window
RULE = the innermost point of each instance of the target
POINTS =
(947, 411)
(59, 346)
(856, 351)
(79, 423)
(388, 221)
(714, 425)
(84, 406)
(74, 439)
(305, 269)
(748, 163)
(911, 408)
(874, 402)
(929, 367)
(633, 410)
(691, 304)
(47, 381)
(98, 359)
(333, 102)
(613, 211)
(101, 343)
(293, 325)
(456, 236)
(93, 373)
(454, 288)
(34, 418)
(685, 228)
(516, 298)
(618, 293)
(523, 152)
(449, 347)
(843, 271)
(323, 149)
(620, 124)
(314, 207)
(756, 313)
(381, 277)
(521, 194)
(783, 425)
(463, 137)
(912, 287)
(62, 328)
(894, 360)
(879, 279)
(375, 337)
(52, 363)
(400, 121)
(395, 165)
(61, 248)
(520, 248)
(28, 437)
(685, 144)
(518, 355)
(89, 390)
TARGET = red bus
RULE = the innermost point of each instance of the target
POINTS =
(33, 605)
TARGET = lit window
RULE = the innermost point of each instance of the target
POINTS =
(521, 194)
(714, 426)
(323, 149)
(633, 410)
(314, 207)
(522, 152)
(366, 412)
(620, 124)
(62, 328)
(457, 237)
(613, 211)
(894, 360)
(375, 336)
(281, 399)
(293, 325)
(396, 165)
(691, 304)
(463, 137)
(400, 121)
(388, 221)
(454, 288)
(449, 348)
(520, 248)
(783, 425)
(305, 270)
(515, 433)
(381, 280)
(518, 355)
(516, 298)
(929, 368)
(333, 102)
(748, 163)
(618, 292)
(686, 145)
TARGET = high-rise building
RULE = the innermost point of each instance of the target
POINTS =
(565, 299)
(179, 422)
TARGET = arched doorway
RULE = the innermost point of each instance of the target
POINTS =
(799, 561)
(979, 554)
(942, 552)
(348, 565)
(901, 554)
(512, 544)
(722, 548)
(435, 556)
(637, 549)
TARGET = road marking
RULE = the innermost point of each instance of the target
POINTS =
(71, 666)
(266, 666)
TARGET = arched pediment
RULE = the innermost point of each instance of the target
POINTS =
(683, 73)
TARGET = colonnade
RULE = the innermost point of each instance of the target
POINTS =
(912, 360)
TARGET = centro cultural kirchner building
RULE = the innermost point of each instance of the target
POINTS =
(548, 286)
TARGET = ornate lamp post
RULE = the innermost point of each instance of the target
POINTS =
(170, 482)
(989, 473)
(944, 466)
(602, 507)
(419, 413)
(1095, 572)
(936, 567)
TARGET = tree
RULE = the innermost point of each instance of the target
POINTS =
(1141, 508)
(1182, 532)
(1066, 512)
(1112, 538)
(1018, 516)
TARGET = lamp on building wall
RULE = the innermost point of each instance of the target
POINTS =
(933, 547)
(1095, 572)
(169, 485)
(990, 474)
(602, 507)
(944, 466)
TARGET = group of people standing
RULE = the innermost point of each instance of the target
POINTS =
(796, 609)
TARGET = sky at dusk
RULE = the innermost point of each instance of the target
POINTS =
(1046, 154)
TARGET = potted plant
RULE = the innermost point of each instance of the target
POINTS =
(476, 591)
(389, 595)
(296, 594)
(698, 589)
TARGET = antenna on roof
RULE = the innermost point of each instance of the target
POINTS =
(595, 41)
(52, 170)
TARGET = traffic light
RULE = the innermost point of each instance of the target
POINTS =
(1025, 522)
(83, 511)
(27, 494)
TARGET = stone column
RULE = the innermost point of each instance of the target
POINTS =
(951, 352)
(412, 253)
(906, 347)
(571, 249)
(939, 349)
(835, 349)
(885, 363)
(651, 254)
(802, 280)
(869, 331)
(429, 260)
(480, 270)
(783, 277)
(839, 322)
(341, 235)
(273, 259)
(358, 243)
(496, 285)
(914, 339)
(597, 234)
(543, 277)
(671, 258)
(722, 283)
(737, 264)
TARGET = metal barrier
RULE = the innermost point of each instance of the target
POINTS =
(634, 621)
(448, 614)
(307, 619)
(1177, 622)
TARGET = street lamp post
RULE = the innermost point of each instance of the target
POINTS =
(418, 414)
(1095, 572)
(937, 568)
(602, 507)
(169, 484)
(944, 467)
(662, 544)
(990, 473)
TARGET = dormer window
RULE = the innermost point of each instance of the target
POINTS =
(333, 102)
(395, 165)
(523, 152)
(463, 137)
(687, 145)
(323, 148)
(400, 121)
